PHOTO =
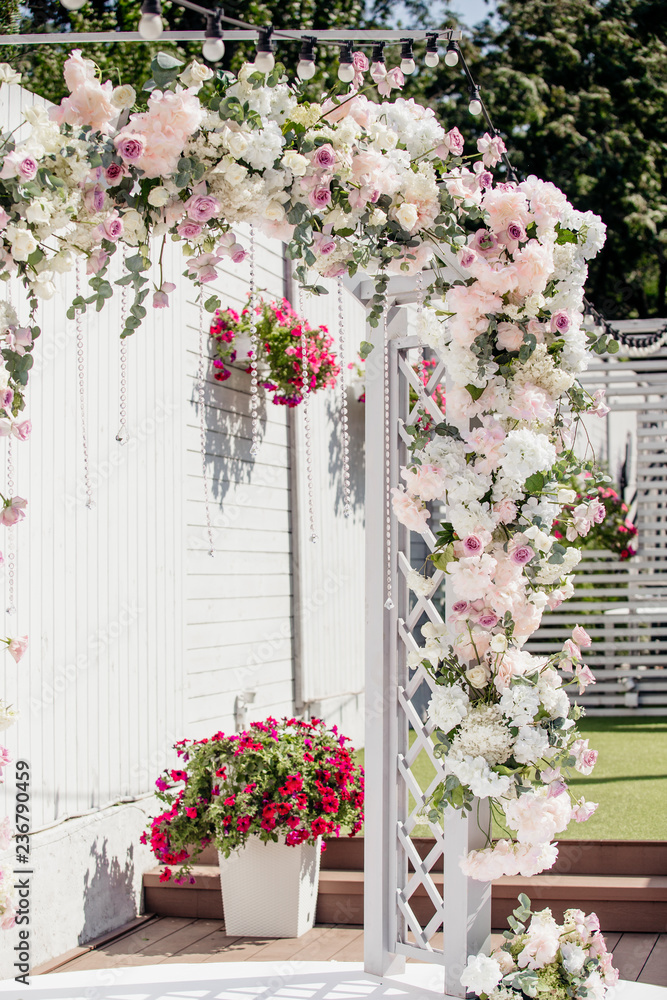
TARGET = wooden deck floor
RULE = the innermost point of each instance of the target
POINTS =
(640, 957)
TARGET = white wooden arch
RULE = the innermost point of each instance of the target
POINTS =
(418, 904)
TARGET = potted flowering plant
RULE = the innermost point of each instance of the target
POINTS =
(280, 349)
(541, 956)
(269, 794)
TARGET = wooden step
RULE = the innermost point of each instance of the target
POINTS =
(622, 902)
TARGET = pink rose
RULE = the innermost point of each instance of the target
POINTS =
(454, 142)
(27, 168)
(488, 619)
(13, 511)
(94, 200)
(22, 430)
(459, 608)
(585, 757)
(581, 637)
(238, 253)
(189, 230)
(560, 322)
(516, 232)
(521, 554)
(325, 158)
(583, 810)
(466, 256)
(360, 61)
(203, 267)
(114, 173)
(599, 407)
(130, 147)
(202, 207)
(6, 398)
(585, 677)
(320, 197)
(161, 296)
(17, 647)
(113, 227)
(472, 545)
(96, 261)
(484, 241)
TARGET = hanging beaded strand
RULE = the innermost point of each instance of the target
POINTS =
(345, 429)
(254, 391)
(11, 536)
(389, 604)
(201, 395)
(123, 435)
(421, 365)
(81, 370)
(305, 391)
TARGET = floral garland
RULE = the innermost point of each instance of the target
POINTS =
(511, 338)
(540, 956)
(287, 779)
(280, 332)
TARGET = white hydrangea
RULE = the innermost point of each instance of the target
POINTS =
(532, 743)
(520, 703)
(448, 707)
(526, 452)
(478, 776)
(483, 733)
(481, 975)
(418, 584)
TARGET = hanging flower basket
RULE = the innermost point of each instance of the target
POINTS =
(293, 875)
(264, 798)
(282, 338)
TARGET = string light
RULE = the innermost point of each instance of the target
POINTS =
(73, 4)
(407, 57)
(213, 48)
(378, 67)
(432, 58)
(306, 67)
(150, 24)
(452, 54)
(346, 67)
(264, 60)
(475, 106)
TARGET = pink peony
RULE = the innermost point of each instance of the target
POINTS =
(509, 336)
(541, 943)
(533, 267)
(425, 481)
(17, 647)
(408, 511)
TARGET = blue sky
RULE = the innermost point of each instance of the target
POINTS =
(472, 11)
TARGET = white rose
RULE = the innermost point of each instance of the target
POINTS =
(35, 115)
(123, 97)
(22, 241)
(566, 496)
(43, 285)
(377, 217)
(158, 197)
(295, 162)
(134, 230)
(8, 75)
(195, 74)
(498, 644)
(274, 211)
(36, 213)
(235, 174)
(407, 215)
(62, 262)
(478, 676)
(237, 143)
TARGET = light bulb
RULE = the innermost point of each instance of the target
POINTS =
(475, 106)
(451, 57)
(407, 66)
(346, 72)
(73, 4)
(378, 69)
(432, 59)
(264, 62)
(213, 49)
(150, 26)
(306, 69)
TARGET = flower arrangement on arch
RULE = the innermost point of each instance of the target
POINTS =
(540, 957)
(291, 779)
(612, 529)
(280, 334)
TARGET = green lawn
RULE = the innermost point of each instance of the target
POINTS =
(629, 780)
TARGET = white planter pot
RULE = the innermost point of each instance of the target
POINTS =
(243, 347)
(270, 890)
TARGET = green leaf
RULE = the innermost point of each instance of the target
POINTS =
(474, 391)
(212, 304)
(167, 61)
(365, 349)
(534, 483)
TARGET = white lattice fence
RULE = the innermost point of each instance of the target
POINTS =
(418, 903)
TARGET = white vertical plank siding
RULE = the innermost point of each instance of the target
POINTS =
(330, 680)
(239, 603)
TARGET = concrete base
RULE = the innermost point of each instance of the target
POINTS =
(86, 881)
(258, 981)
